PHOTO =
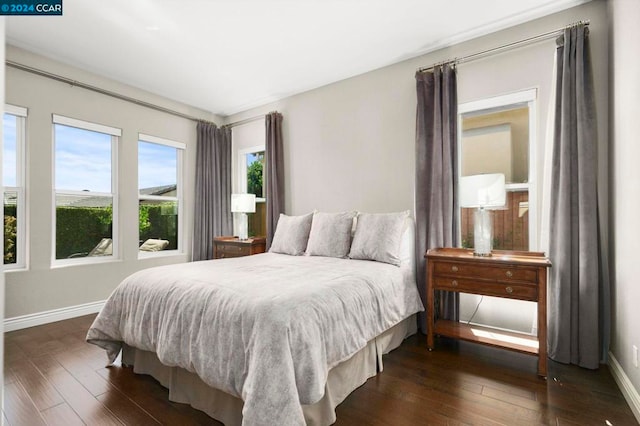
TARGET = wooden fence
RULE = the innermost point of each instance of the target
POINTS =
(510, 225)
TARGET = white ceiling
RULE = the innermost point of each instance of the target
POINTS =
(226, 56)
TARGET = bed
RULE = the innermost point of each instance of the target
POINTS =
(265, 339)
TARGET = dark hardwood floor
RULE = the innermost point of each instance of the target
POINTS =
(53, 377)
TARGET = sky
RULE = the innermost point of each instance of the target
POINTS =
(9, 154)
(157, 165)
(83, 161)
(253, 157)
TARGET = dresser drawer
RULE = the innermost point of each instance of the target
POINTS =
(491, 272)
(230, 250)
(512, 291)
(225, 247)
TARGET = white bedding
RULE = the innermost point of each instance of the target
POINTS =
(266, 328)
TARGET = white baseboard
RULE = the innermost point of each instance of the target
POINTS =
(628, 390)
(39, 318)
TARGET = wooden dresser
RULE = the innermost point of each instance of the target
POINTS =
(508, 274)
(233, 247)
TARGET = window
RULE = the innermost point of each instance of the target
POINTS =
(13, 176)
(85, 191)
(251, 181)
(160, 194)
(497, 135)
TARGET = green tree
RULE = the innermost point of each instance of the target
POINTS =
(143, 219)
(10, 235)
(79, 229)
(254, 176)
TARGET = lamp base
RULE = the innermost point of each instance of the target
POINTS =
(243, 227)
(482, 233)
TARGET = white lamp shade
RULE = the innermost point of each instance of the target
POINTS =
(486, 191)
(243, 203)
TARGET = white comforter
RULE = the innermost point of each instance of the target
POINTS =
(266, 328)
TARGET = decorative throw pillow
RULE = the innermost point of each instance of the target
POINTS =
(378, 237)
(330, 234)
(292, 234)
(153, 245)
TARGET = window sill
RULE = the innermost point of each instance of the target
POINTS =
(97, 260)
(16, 269)
(159, 254)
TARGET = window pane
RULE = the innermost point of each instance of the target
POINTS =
(255, 173)
(9, 159)
(159, 220)
(510, 226)
(83, 226)
(10, 227)
(157, 169)
(258, 221)
(497, 142)
(83, 159)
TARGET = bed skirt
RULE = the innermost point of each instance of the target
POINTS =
(187, 388)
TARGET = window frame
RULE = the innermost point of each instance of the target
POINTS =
(115, 134)
(242, 170)
(180, 153)
(529, 98)
(21, 263)
(526, 97)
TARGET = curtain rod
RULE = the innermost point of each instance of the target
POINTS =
(96, 89)
(244, 121)
(508, 46)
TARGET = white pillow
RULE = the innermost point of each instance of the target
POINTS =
(292, 234)
(330, 234)
(378, 237)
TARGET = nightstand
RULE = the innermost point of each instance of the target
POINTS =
(508, 274)
(232, 247)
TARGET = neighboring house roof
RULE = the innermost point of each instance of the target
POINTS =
(10, 199)
(82, 201)
(158, 190)
(92, 201)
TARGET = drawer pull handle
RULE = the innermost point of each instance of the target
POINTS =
(509, 290)
(454, 268)
(454, 283)
(509, 274)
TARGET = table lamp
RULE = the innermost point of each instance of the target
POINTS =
(243, 204)
(483, 192)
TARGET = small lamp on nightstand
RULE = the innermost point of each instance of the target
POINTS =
(486, 192)
(243, 204)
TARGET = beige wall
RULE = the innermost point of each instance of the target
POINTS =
(41, 287)
(625, 175)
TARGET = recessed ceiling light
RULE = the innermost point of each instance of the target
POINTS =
(152, 28)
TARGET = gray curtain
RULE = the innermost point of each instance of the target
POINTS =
(436, 201)
(274, 174)
(213, 189)
(576, 323)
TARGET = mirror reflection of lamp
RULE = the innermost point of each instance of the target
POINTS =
(483, 192)
(243, 204)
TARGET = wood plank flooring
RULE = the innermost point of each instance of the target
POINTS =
(52, 377)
